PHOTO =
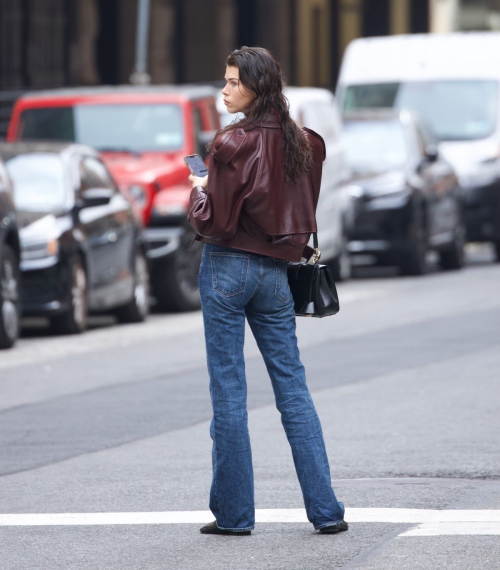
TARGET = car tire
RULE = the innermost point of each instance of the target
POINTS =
(341, 266)
(453, 258)
(497, 250)
(414, 260)
(10, 306)
(175, 286)
(137, 309)
(74, 320)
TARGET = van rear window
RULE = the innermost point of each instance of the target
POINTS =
(135, 127)
(455, 109)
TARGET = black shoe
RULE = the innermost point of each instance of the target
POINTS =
(334, 528)
(212, 528)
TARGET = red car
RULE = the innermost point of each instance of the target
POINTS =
(143, 134)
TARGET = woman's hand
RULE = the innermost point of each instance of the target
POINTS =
(197, 181)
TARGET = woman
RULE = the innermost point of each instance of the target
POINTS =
(254, 212)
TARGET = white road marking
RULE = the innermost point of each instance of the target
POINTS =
(432, 522)
(410, 516)
(453, 529)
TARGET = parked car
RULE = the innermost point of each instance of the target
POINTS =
(408, 196)
(317, 109)
(9, 264)
(453, 82)
(82, 249)
(143, 134)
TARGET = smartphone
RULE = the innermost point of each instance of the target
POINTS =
(196, 165)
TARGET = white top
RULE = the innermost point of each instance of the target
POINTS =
(422, 57)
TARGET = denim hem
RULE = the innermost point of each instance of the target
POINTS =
(328, 524)
(235, 529)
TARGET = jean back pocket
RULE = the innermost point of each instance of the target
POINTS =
(229, 272)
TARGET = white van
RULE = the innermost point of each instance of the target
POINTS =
(317, 109)
(453, 82)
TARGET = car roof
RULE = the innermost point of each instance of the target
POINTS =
(307, 94)
(420, 57)
(27, 147)
(191, 92)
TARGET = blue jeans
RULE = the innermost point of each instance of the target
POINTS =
(234, 285)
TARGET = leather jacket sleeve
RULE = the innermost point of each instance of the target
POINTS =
(214, 212)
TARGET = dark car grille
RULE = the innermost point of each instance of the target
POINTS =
(382, 224)
(43, 286)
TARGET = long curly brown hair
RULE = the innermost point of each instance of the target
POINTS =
(261, 73)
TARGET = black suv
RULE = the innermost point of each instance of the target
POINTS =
(9, 264)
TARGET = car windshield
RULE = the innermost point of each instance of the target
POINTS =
(374, 147)
(39, 184)
(134, 128)
(456, 110)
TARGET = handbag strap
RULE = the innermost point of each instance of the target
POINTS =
(314, 253)
(317, 253)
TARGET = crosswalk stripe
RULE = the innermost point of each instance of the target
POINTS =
(451, 521)
(453, 529)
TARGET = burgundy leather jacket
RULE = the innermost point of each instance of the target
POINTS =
(248, 204)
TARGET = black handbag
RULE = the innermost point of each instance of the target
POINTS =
(313, 290)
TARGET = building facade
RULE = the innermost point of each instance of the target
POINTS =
(51, 43)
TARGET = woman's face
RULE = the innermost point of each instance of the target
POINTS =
(236, 96)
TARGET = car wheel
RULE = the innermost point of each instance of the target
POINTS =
(9, 298)
(341, 265)
(176, 285)
(414, 261)
(453, 258)
(137, 309)
(74, 320)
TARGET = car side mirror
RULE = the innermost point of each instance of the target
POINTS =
(95, 197)
(203, 139)
(432, 153)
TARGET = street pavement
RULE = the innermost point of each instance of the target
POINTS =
(105, 450)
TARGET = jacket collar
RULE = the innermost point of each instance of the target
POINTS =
(272, 121)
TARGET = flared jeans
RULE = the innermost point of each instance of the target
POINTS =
(234, 286)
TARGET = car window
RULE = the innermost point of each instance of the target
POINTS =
(39, 182)
(374, 147)
(51, 123)
(370, 96)
(197, 128)
(94, 174)
(137, 127)
(456, 109)
(197, 121)
(85, 178)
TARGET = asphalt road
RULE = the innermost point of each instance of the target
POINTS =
(406, 380)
